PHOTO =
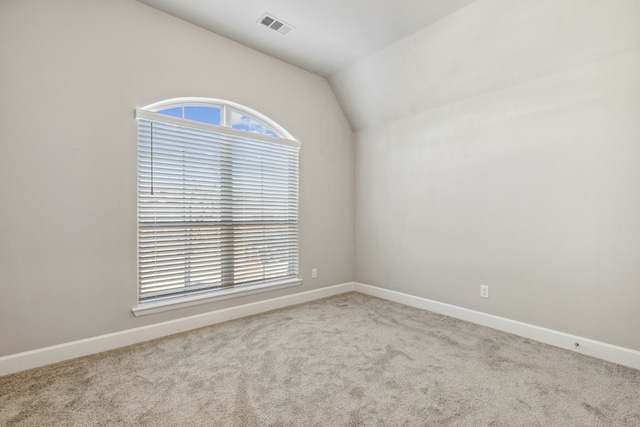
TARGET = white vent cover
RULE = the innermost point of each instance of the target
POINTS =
(275, 24)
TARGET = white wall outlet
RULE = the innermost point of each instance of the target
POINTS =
(314, 273)
(484, 291)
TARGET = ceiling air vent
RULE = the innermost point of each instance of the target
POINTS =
(275, 24)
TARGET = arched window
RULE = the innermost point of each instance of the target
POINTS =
(217, 203)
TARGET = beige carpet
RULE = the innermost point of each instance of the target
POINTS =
(344, 361)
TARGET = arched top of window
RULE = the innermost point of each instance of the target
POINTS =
(219, 112)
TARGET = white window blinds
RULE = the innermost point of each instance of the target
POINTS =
(217, 208)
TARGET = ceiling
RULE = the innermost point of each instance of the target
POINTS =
(329, 35)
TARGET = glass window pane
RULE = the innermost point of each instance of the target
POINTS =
(175, 112)
(203, 114)
(243, 122)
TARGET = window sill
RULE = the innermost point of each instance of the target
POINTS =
(174, 304)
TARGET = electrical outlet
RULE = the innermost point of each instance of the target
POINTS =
(484, 291)
(314, 273)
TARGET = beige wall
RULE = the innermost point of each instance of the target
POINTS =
(71, 75)
(497, 146)
(501, 146)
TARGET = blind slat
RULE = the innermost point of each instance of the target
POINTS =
(215, 208)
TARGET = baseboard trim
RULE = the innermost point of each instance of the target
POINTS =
(71, 350)
(597, 349)
(57, 353)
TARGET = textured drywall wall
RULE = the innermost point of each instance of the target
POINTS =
(71, 75)
(501, 146)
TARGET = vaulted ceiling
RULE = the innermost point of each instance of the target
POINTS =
(328, 35)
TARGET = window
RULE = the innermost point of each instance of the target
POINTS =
(217, 203)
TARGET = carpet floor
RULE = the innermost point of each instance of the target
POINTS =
(348, 360)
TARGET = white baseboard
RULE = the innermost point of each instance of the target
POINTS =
(57, 353)
(597, 349)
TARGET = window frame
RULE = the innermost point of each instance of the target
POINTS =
(150, 113)
(226, 108)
